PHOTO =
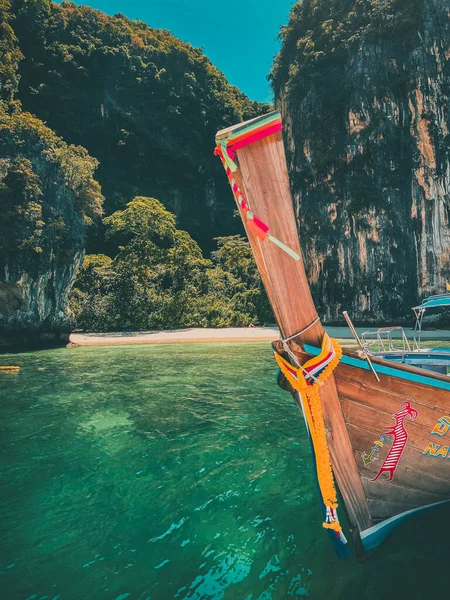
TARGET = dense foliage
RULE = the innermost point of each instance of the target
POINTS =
(159, 278)
(144, 103)
(147, 107)
(39, 172)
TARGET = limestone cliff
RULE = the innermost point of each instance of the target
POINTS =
(47, 196)
(364, 88)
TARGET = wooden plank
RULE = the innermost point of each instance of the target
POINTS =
(355, 353)
(399, 494)
(406, 477)
(381, 510)
(409, 390)
(429, 402)
(234, 129)
(263, 178)
(343, 460)
(266, 188)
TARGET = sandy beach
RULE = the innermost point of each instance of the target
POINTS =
(177, 336)
(230, 334)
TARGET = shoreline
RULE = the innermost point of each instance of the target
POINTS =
(188, 335)
(195, 335)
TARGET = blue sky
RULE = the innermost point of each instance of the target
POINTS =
(239, 36)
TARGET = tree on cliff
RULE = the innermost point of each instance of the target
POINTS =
(47, 196)
(10, 54)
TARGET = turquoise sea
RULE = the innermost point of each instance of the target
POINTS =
(160, 472)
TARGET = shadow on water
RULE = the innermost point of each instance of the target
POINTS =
(163, 472)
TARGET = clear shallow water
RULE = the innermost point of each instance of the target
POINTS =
(161, 472)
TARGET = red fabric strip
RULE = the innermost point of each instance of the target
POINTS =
(261, 225)
(327, 357)
(253, 138)
(248, 134)
(292, 371)
(256, 230)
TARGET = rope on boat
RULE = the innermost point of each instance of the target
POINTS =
(304, 330)
(289, 352)
(306, 380)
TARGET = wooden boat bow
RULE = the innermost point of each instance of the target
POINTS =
(254, 158)
(262, 176)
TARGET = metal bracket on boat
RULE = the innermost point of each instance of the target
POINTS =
(360, 344)
(292, 356)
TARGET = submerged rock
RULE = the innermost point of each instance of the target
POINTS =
(364, 91)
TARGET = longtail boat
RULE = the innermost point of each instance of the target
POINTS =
(379, 430)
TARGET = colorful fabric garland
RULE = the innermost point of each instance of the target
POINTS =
(307, 380)
(255, 136)
(225, 150)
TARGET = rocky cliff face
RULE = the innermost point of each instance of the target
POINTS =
(46, 196)
(364, 90)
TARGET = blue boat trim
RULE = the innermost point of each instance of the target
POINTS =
(372, 537)
(361, 364)
(442, 300)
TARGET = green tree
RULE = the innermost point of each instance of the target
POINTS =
(10, 54)
(46, 187)
(234, 258)
(160, 279)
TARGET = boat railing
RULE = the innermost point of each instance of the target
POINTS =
(436, 297)
(439, 301)
(381, 340)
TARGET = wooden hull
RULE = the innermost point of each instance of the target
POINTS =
(396, 428)
(421, 478)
